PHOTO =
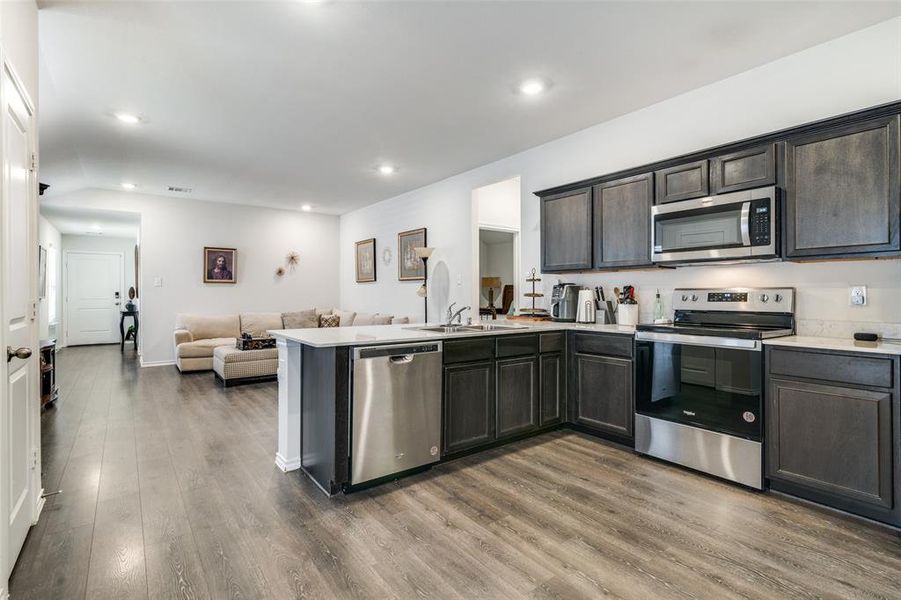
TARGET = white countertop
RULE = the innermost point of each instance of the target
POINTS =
(825, 343)
(328, 337)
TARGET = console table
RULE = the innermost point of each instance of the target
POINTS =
(134, 317)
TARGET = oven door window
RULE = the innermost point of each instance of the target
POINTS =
(700, 229)
(711, 388)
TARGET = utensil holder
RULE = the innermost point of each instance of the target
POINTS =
(628, 314)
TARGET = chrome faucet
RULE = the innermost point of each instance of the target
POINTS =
(451, 315)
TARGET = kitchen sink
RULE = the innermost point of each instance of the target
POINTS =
(490, 327)
(465, 328)
(439, 328)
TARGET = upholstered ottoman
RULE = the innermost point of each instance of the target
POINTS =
(233, 366)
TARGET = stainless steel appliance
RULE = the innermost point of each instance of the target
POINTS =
(564, 301)
(587, 307)
(699, 381)
(396, 416)
(740, 226)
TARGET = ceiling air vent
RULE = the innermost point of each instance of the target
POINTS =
(180, 189)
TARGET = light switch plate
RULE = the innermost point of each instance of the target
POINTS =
(157, 282)
(857, 295)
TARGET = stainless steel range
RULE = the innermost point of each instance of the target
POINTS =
(699, 382)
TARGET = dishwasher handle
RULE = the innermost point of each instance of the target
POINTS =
(401, 359)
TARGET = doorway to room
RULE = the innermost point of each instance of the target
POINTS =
(496, 269)
(496, 248)
(98, 275)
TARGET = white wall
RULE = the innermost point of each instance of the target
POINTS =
(49, 237)
(856, 71)
(173, 234)
(498, 204)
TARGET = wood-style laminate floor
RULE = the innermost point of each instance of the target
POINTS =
(170, 491)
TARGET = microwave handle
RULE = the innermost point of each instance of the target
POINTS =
(746, 224)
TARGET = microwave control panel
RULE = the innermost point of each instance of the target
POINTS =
(759, 222)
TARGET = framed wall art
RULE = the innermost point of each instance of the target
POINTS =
(409, 265)
(365, 260)
(220, 265)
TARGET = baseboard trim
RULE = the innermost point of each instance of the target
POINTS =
(286, 465)
(155, 363)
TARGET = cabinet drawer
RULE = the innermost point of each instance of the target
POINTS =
(517, 345)
(842, 368)
(468, 350)
(599, 343)
(682, 182)
(551, 342)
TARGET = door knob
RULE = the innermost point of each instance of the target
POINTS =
(22, 353)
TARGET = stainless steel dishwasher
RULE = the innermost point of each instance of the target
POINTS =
(396, 409)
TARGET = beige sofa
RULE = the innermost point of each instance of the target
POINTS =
(197, 336)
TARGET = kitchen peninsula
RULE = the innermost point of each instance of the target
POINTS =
(500, 382)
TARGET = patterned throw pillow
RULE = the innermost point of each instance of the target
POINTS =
(329, 321)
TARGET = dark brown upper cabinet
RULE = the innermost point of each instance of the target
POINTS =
(843, 192)
(566, 231)
(682, 182)
(743, 170)
(622, 222)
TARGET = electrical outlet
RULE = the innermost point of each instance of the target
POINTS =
(157, 282)
(858, 295)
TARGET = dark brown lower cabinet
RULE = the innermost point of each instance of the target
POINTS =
(835, 442)
(602, 394)
(468, 405)
(517, 396)
(553, 389)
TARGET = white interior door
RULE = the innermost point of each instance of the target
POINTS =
(18, 265)
(93, 297)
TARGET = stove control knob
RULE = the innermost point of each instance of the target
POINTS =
(764, 298)
(684, 297)
(777, 298)
(694, 297)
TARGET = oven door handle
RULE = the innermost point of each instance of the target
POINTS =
(699, 340)
(746, 224)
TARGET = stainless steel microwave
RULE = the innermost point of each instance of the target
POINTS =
(738, 226)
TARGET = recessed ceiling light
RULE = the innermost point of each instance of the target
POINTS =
(128, 186)
(387, 169)
(532, 87)
(306, 208)
(128, 118)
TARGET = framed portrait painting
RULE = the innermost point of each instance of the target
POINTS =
(220, 265)
(365, 260)
(409, 266)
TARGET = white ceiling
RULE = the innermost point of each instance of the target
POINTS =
(285, 103)
(78, 221)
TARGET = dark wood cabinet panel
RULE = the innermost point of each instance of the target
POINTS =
(602, 393)
(843, 190)
(834, 439)
(552, 379)
(566, 231)
(517, 345)
(622, 222)
(517, 396)
(468, 405)
(468, 350)
(863, 370)
(599, 343)
(682, 182)
(743, 170)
